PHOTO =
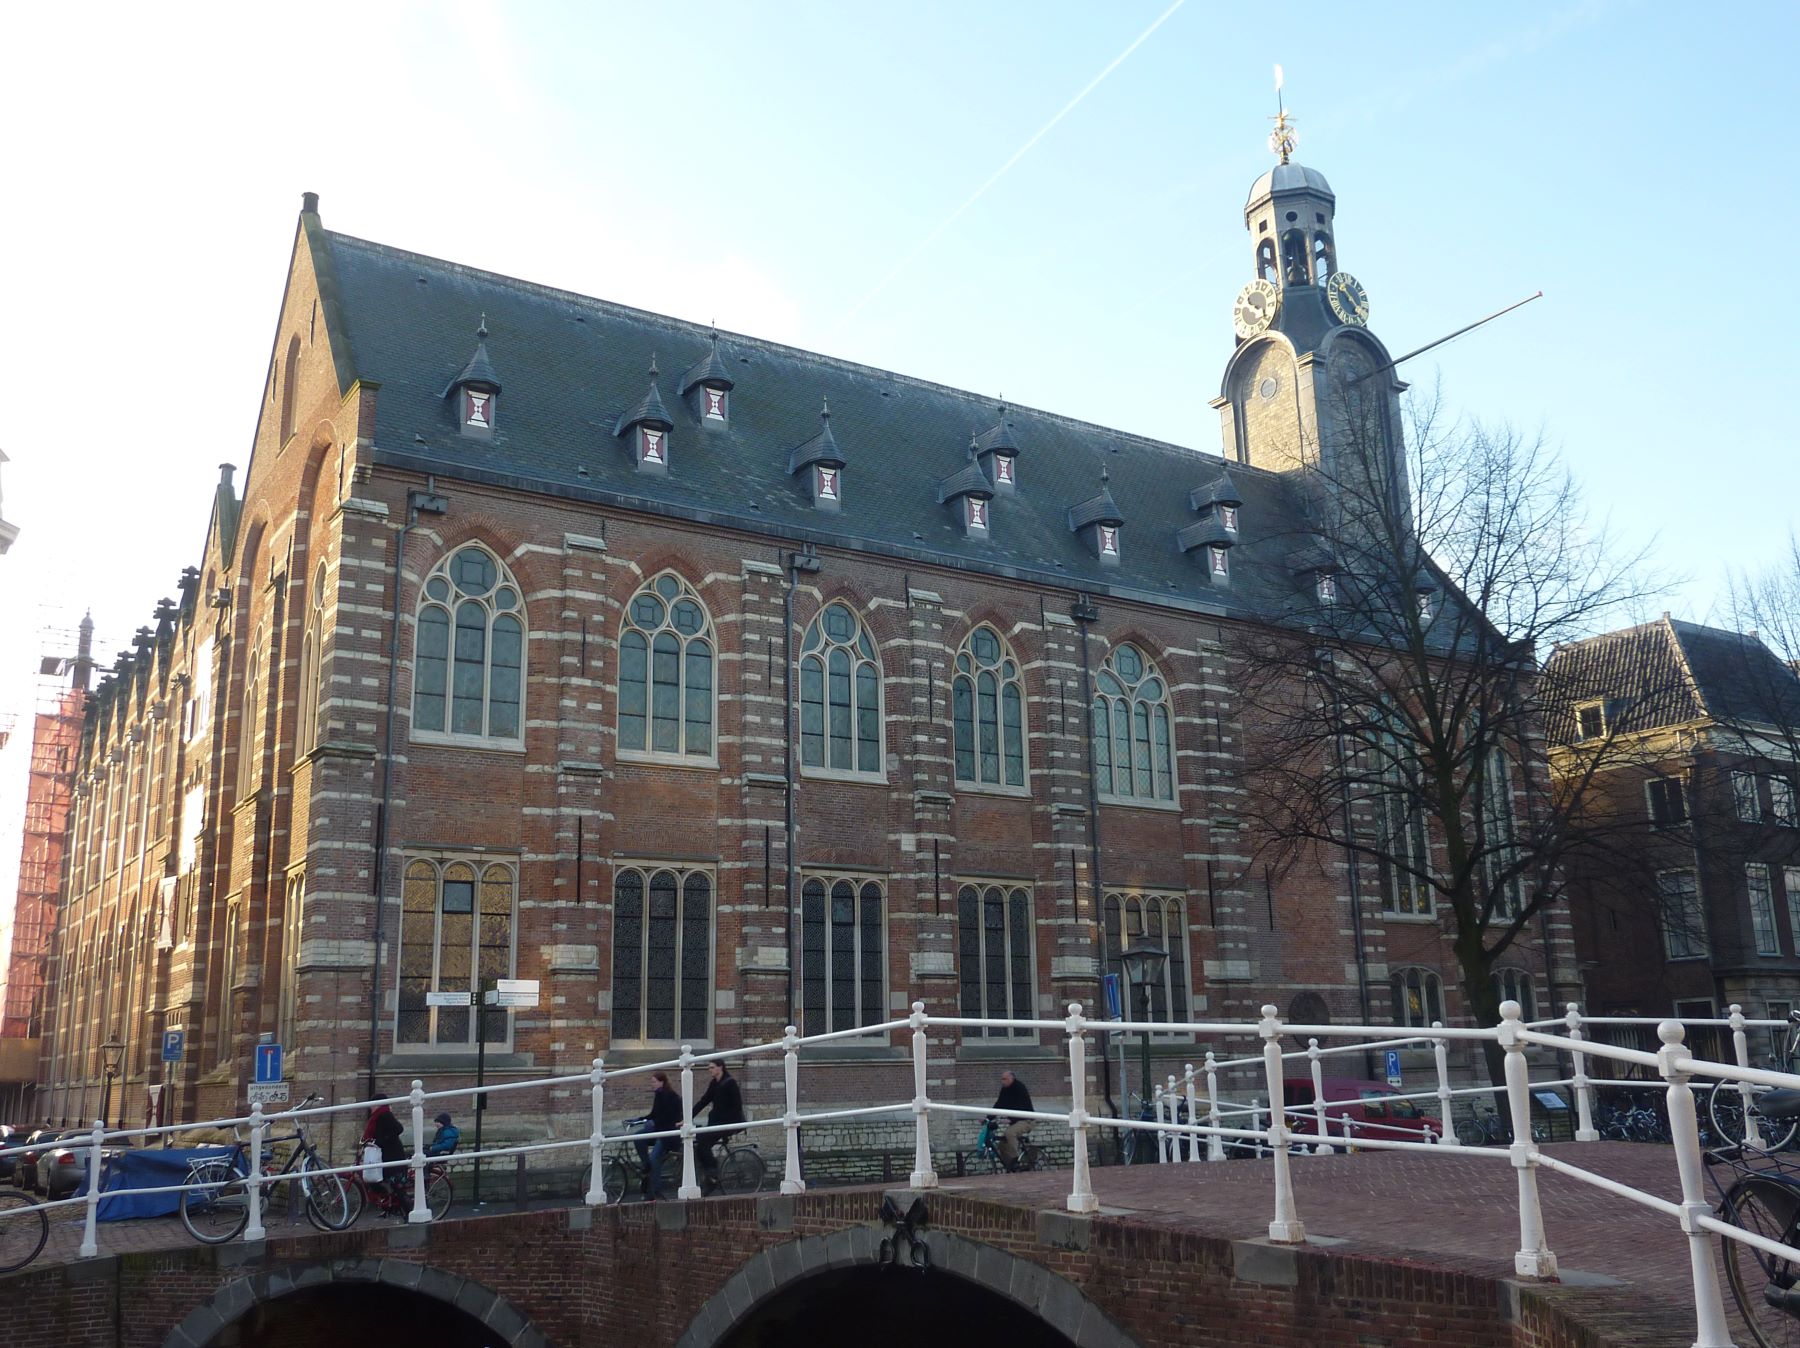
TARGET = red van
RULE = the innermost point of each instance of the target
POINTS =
(1369, 1105)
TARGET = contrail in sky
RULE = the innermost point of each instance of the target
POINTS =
(1001, 172)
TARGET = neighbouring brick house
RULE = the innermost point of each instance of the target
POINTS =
(1701, 726)
(643, 568)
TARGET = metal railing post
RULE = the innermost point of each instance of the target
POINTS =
(1440, 1052)
(1256, 1126)
(1684, 1132)
(253, 1229)
(1165, 1116)
(1081, 1190)
(791, 1183)
(1193, 1140)
(690, 1179)
(421, 1210)
(1215, 1145)
(923, 1176)
(1286, 1225)
(1323, 1147)
(90, 1236)
(1584, 1088)
(1740, 1043)
(596, 1192)
(1534, 1259)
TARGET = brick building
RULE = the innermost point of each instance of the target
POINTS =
(1702, 726)
(715, 684)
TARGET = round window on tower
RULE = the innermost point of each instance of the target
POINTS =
(1268, 388)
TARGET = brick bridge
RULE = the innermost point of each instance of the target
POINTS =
(1403, 1250)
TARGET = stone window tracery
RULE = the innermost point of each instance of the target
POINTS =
(667, 673)
(662, 955)
(988, 712)
(1133, 729)
(468, 680)
(840, 695)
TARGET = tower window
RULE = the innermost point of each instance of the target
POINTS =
(1293, 257)
(1324, 256)
(1266, 269)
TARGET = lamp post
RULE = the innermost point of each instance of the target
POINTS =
(1143, 970)
(112, 1057)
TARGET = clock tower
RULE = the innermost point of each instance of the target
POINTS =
(1309, 386)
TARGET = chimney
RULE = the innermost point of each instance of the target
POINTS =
(84, 654)
(309, 203)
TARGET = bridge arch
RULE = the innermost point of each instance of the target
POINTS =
(850, 1263)
(465, 1310)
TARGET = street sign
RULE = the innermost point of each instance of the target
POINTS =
(174, 1041)
(513, 992)
(268, 1093)
(268, 1064)
(1393, 1067)
(447, 998)
(1109, 984)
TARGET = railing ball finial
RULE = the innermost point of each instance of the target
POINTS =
(1670, 1032)
(1511, 1011)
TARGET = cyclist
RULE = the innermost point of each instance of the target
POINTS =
(665, 1116)
(727, 1102)
(445, 1140)
(1013, 1099)
(384, 1131)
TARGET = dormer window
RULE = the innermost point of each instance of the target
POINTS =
(476, 390)
(706, 388)
(1327, 587)
(1004, 471)
(653, 445)
(1228, 516)
(825, 483)
(1109, 540)
(1590, 720)
(1425, 607)
(714, 400)
(977, 517)
(478, 409)
(1221, 562)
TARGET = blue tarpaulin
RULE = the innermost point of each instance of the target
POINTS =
(146, 1168)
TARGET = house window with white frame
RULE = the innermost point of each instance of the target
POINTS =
(1762, 909)
(996, 964)
(1667, 798)
(1590, 720)
(662, 955)
(1683, 915)
(456, 931)
(1746, 797)
(470, 659)
(987, 700)
(1418, 998)
(1159, 920)
(1781, 802)
(666, 673)
(840, 695)
(843, 930)
(1134, 755)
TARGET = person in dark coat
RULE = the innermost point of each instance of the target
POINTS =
(665, 1115)
(385, 1131)
(727, 1102)
(1013, 1097)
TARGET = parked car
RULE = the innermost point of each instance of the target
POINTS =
(9, 1137)
(25, 1168)
(1370, 1107)
(62, 1168)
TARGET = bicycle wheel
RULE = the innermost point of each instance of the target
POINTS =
(1727, 1110)
(438, 1193)
(1768, 1208)
(614, 1180)
(24, 1227)
(742, 1172)
(327, 1197)
(218, 1210)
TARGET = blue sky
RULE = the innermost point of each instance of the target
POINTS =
(771, 166)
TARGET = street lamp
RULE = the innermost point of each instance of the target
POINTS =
(1144, 970)
(112, 1057)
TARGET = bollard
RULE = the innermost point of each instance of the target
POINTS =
(1286, 1225)
(690, 1180)
(1215, 1145)
(1193, 1113)
(1684, 1132)
(90, 1238)
(791, 1183)
(1533, 1259)
(596, 1190)
(1440, 1052)
(1584, 1088)
(1081, 1190)
(1741, 1044)
(1323, 1147)
(421, 1211)
(923, 1176)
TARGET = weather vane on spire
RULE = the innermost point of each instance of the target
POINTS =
(1284, 139)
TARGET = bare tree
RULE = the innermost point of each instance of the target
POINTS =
(1398, 721)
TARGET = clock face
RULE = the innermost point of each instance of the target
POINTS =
(1349, 301)
(1255, 308)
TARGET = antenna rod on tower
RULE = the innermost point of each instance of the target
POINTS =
(1450, 338)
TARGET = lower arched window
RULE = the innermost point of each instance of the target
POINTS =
(1156, 920)
(456, 932)
(995, 955)
(662, 955)
(1514, 985)
(842, 979)
(1418, 998)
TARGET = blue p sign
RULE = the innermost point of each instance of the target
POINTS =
(173, 1042)
(1393, 1066)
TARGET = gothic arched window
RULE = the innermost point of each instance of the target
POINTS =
(250, 725)
(1134, 755)
(842, 979)
(290, 369)
(1158, 921)
(1514, 985)
(840, 695)
(306, 733)
(471, 650)
(456, 929)
(666, 673)
(988, 712)
(662, 955)
(1418, 998)
(994, 957)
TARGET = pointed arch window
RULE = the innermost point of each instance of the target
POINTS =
(290, 369)
(250, 727)
(469, 676)
(840, 695)
(1161, 921)
(994, 957)
(311, 667)
(667, 674)
(988, 712)
(1134, 755)
(662, 955)
(456, 929)
(842, 965)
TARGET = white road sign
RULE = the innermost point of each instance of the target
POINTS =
(447, 998)
(270, 1093)
(514, 992)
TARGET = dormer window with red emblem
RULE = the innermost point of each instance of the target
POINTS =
(978, 512)
(1221, 561)
(478, 409)
(714, 403)
(1109, 540)
(825, 485)
(1228, 517)
(653, 445)
(1003, 470)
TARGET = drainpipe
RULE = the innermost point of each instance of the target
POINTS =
(418, 503)
(1353, 863)
(798, 564)
(1084, 612)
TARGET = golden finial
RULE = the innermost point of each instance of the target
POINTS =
(1284, 139)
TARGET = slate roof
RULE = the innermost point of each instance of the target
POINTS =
(1671, 672)
(575, 368)
(713, 370)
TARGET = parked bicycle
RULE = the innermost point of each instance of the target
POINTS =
(1727, 1104)
(1140, 1146)
(1490, 1128)
(741, 1169)
(24, 1227)
(987, 1152)
(1761, 1194)
(215, 1206)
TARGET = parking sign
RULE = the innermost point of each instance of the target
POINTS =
(173, 1043)
(268, 1064)
(1393, 1066)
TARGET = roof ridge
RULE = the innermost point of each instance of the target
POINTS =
(703, 330)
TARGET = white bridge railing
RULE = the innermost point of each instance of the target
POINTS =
(1268, 1128)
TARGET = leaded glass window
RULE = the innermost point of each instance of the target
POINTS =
(842, 967)
(840, 695)
(456, 934)
(1134, 755)
(1159, 920)
(666, 672)
(995, 963)
(306, 731)
(468, 680)
(988, 712)
(1418, 998)
(662, 955)
(250, 726)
